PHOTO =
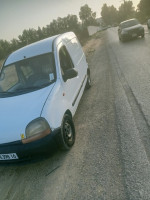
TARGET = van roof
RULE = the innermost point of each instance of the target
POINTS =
(37, 48)
(31, 50)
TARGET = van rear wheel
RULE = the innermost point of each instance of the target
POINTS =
(67, 135)
(88, 83)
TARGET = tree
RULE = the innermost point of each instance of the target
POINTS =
(126, 11)
(5, 48)
(61, 25)
(28, 37)
(73, 24)
(14, 44)
(109, 14)
(87, 16)
(40, 34)
(54, 27)
(144, 9)
(105, 13)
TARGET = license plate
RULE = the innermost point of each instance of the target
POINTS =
(134, 35)
(10, 156)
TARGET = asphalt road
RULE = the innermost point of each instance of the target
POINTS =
(110, 159)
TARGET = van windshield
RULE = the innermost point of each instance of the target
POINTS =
(27, 75)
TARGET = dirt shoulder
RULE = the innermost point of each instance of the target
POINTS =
(92, 44)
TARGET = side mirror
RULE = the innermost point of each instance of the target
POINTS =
(69, 74)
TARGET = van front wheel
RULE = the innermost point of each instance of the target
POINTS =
(67, 134)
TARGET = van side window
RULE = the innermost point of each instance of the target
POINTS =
(65, 60)
(75, 50)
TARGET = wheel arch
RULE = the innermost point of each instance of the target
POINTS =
(88, 71)
(68, 112)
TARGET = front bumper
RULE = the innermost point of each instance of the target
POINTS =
(29, 150)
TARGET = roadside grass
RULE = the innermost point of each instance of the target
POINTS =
(91, 43)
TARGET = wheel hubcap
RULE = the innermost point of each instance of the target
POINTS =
(68, 132)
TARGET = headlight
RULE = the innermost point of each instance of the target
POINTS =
(36, 129)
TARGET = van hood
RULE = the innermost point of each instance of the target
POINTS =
(17, 111)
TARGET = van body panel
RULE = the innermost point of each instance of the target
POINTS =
(18, 111)
(55, 106)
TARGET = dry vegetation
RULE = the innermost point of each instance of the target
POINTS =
(1, 63)
(91, 44)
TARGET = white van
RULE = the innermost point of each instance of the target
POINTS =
(40, 89)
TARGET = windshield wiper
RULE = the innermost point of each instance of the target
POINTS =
(31, 88)
(27, 89)
(22, 90)
(5, 92)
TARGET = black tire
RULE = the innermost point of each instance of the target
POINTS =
(66, 138)
(143, 35)
(88, 83)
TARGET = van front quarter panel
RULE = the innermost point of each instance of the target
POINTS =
(55, 106)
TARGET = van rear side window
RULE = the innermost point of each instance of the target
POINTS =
(75, 50)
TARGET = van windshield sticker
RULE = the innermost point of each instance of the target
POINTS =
(51, 76)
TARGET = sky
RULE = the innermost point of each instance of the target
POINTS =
(17, 15)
